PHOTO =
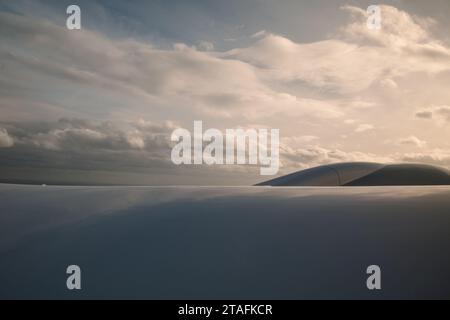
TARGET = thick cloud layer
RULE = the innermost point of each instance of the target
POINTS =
(137, 152)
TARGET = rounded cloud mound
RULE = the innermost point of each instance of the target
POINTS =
(365, 174)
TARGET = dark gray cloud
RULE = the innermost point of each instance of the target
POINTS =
(80, 144)
(440, 113)
(424, 114)
(81, 151)
(88, 136)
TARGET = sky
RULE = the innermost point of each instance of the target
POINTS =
(98, 105)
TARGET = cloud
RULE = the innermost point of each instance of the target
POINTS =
(259, 34)
(444, 112)
(438, 157)
(82, 135)
(364, 127)
(401, 32)
(299, 140)
(389, 83)
(355, 59)
(412, 141)
(298, 158)
(271, 76)
(397, 27)
(206, 45)
(333, 66)
(424, 114)
(6, 140)
(107, 150)
(85, 151)
(360, 104)
(439, 113)
(173, 78)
